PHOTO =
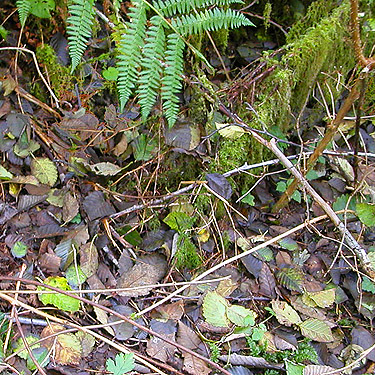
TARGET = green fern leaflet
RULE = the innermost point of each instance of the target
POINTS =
(79, 28)
(24, 7)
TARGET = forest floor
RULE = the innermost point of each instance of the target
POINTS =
(123, 251)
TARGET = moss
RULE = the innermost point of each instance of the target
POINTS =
(187, 255)
(60, 77)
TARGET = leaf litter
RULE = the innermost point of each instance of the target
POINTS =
(299, 305)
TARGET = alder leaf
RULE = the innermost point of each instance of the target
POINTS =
(285, 314)
(44, 170)
(214, 309)
(317, 330)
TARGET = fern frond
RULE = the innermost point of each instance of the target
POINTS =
(79, 27)
(171, 81)
(129, 51)
(210, 20)
(23, 10)
(170, 8)
(150, 76)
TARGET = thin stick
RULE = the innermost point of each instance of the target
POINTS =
(121, 316)
(37, 68)
(233, 259)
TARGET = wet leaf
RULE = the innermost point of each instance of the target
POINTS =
(65, 251)
(214, 309)
(246, 360)
(285, 314)
(44, 170)
(267, 282)
(59, 300)
(252, 264)
(219, 184)
(317, 330)
(184, 134)
(96, 206)
(291, 278)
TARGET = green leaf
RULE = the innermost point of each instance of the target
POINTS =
(241, 316)
(366, 213)
(44, 170)
(297, 196)
(123, 363)
(143, 148)
(19, 249)
(324, 298)
(281, 186)
(293, 369)
(248, 199)
(317, 330)
(75, 275)
(19, 344)
(285, 314)
(214, 309)
(368, 285)
(288, 244)
(3, 32)
(179, 221)
(42, 8)
(110, 74)
(42, 357)
(59, 300)
(4, 174)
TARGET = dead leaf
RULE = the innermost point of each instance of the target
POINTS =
(148, 270)
(70, 207)
(66, 347)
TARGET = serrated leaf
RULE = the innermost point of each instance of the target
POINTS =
(317, 330)
(19, 249)
(241, 316)
(19, 344)
(44, 170)
(324, 298)
(214, 309)
(291, 278)
(285, 314)
(319, 370)
(179, 221)
(122, 364)
(366, 213)
(59, 300)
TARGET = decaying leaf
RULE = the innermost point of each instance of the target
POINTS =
(246, 360)
(44, 170)
(285, 314)
(96, 206)
(148, 270)
(319, 370)
(214, 309)
(66, 347)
